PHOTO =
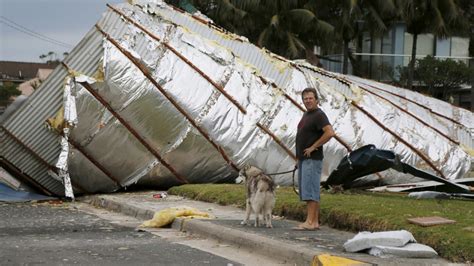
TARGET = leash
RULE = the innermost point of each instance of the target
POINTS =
(293, 178)
(286, 172)
(294, 187)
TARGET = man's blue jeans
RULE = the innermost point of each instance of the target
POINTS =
(309, 179)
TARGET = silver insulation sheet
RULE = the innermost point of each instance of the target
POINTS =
(151, 111)
(182, 67)
(450, 120)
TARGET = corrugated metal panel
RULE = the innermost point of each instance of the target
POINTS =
(267, 65)
(457, 120)
(28, 164)
(252, 54)
(331, 82)
(28, 123)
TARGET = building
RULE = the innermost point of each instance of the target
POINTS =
(29, 86)
(380, 57)
(19, 72)
(24, 75)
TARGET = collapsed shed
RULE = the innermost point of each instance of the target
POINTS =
(157, 97)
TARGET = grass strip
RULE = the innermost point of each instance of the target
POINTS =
(364, 211)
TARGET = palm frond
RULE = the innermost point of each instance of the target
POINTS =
(324, 28)
(438, 24)
(301, 16)
(383, 7)
(450, 10)
(263, 37)
(275, 21)
(352, 6)
(377, 23)
(248, 4)
(293, 45)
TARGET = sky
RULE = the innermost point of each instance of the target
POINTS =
(58, 25)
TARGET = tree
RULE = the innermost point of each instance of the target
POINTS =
(440, 18)
(50, 56)
(7, 91)
(285, 27)
(467, 9)
(293, 33)
(441, 77)
(292, 28)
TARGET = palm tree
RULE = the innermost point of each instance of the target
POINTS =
(351, 17)
(438, 17)
(292, 28)
(42, 57)
(293, 33)
(285, 27)
(51, 55)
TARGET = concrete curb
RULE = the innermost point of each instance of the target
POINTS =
(259, 244)
(101, 202)
(269, 246)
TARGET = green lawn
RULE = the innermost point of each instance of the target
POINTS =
(364, 211)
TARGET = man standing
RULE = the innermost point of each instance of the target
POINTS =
(314, 130)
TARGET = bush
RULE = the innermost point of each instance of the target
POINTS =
(440, 77)
(7, 91)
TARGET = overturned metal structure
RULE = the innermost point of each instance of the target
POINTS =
(163, 98)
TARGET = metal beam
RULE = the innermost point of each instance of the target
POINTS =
(130, 128)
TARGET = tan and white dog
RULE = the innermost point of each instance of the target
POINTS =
(260, 195)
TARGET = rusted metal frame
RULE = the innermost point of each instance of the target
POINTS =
(175, 8)
(39, 158)
(217, 86)
(419, 153)
(207, 23)
(18, 173)
(295, 103)
(268, 132)
(168, 97)
(339, 139)
(199, 71)
(91, 159)
(130, 129)
(412, 115)
(277, 140)
(213, 83)
(422, 106)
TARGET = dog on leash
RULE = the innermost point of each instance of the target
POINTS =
(260, 195)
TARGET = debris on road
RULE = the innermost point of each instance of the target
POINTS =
(389, 244)
(430, 221)
(166, 216)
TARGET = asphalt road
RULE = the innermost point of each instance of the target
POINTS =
(52, 234)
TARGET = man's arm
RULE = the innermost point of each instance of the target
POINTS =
(327, 135)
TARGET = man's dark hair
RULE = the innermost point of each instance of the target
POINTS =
(312, 90)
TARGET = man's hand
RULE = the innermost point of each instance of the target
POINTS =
(307, 152)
